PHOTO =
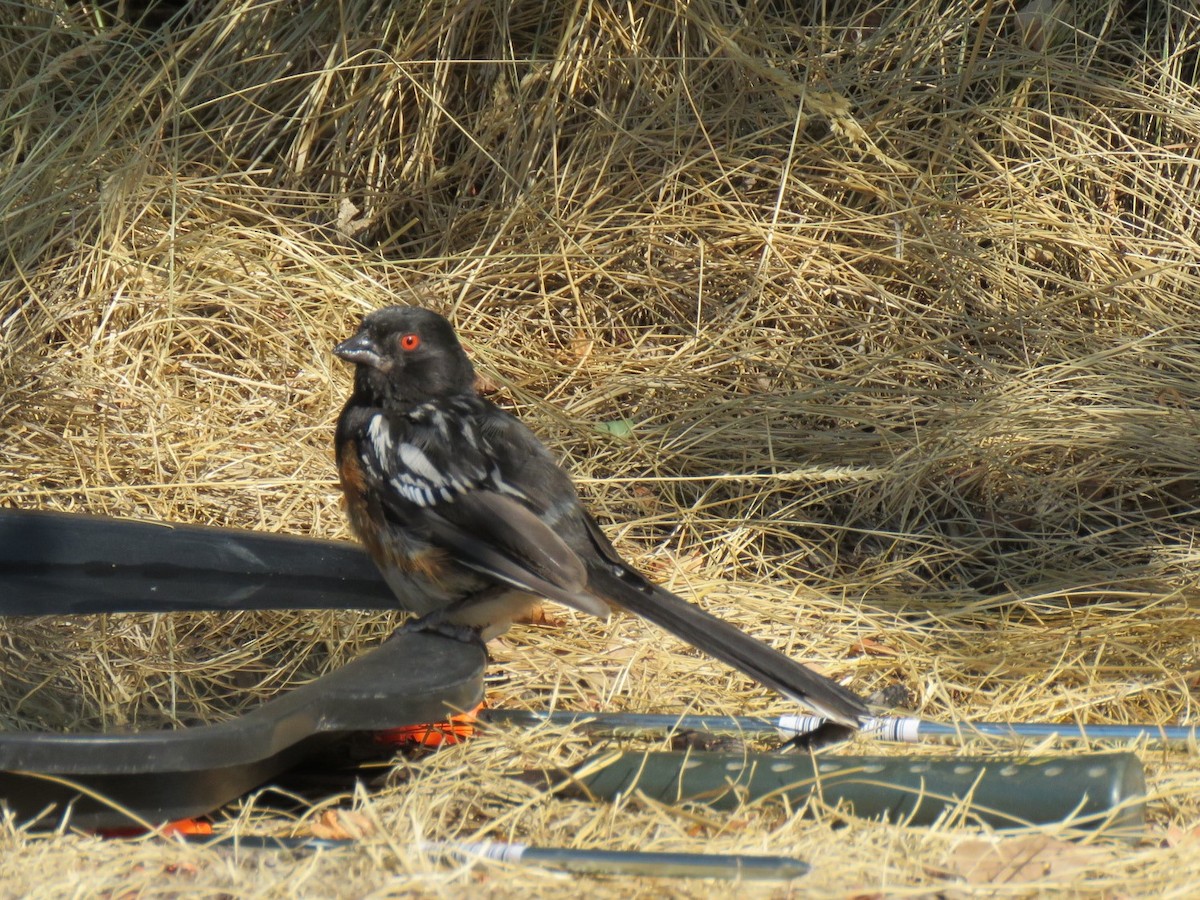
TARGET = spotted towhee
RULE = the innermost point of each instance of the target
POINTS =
(472, 521)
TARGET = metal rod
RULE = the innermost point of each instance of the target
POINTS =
(628, 862)
(633, 724)
(911, 730)
(580, 861)
(905, 730)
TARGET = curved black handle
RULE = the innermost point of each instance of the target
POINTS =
(58, 564)
(63, 564)
(166, 775)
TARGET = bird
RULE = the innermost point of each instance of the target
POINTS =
(472, 521)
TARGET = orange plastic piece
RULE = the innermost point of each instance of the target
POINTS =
(454, 730)
(182, 826)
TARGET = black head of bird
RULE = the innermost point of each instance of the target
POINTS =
(406, 355)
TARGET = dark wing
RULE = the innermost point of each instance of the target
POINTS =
(529, 467)
(439, 475)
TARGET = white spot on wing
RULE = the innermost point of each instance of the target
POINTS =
(381, 436)
(468, 433)
(439, 421)
(504, 487)
(416, 460)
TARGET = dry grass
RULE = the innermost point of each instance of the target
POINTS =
(901, 307)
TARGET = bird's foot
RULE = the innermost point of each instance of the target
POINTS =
(437, 623)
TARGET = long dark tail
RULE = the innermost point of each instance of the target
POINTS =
(628, 590)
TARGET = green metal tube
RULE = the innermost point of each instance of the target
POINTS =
(1098, 791)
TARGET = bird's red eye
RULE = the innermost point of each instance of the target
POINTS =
(410, 341)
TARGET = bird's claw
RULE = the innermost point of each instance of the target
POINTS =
(437, 623)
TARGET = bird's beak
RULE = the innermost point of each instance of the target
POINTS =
(362, 351)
